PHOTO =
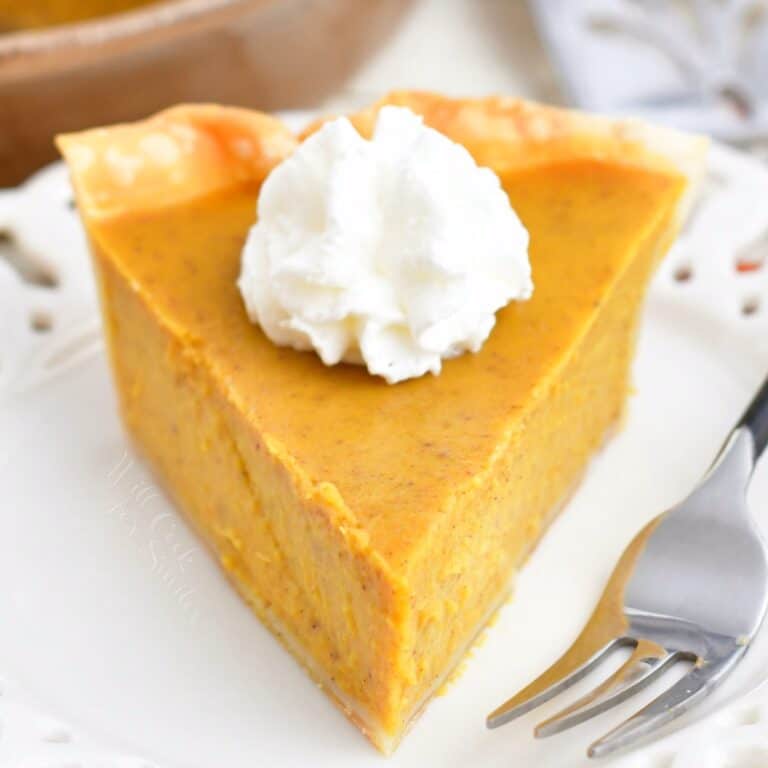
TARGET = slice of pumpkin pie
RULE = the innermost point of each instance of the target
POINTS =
(375, 526)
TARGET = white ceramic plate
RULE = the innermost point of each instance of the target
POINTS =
(121, 644)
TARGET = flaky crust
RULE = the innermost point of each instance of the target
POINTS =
(504, 134)
(176, 155)
(192, 150)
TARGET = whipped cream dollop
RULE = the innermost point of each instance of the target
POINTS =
(395, 253)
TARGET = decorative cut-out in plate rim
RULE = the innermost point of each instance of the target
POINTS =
(122, 644)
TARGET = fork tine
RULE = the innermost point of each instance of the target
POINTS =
(605, 631)
(669, 705)
(583, 656)
(647, 661)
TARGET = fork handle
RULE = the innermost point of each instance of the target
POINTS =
(755, 419)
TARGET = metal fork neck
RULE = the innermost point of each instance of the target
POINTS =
(734, 465)
(755, 419)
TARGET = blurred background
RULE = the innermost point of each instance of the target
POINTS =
(68, 64)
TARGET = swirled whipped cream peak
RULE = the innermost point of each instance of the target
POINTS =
(394, 252)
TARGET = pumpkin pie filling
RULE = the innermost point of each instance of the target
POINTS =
(33, 14)
(375, 528)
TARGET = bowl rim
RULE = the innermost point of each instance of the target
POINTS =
(30, 53)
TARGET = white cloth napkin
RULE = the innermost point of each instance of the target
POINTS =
(696, 64)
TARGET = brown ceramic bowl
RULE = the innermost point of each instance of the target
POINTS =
(269, 54)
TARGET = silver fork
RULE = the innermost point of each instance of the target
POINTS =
(691, 586)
